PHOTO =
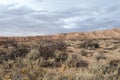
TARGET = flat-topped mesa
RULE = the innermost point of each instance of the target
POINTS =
(113, 33)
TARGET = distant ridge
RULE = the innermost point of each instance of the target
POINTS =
(112, 33)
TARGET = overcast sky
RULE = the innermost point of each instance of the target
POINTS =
(43, 17)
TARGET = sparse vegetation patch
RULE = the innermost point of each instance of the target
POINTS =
(60, 60)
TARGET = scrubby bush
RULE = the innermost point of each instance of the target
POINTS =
(16, 53)
(61, 45)
(34, 54)
(76, 61)
(112, 70)
(8, 43)
(47, 63)
(101, 56)
(49, 60)
(89, 44)
(82, 63)
(11, 50)
(86, 53)
(46, 51)
(60, 56)
(114, 62)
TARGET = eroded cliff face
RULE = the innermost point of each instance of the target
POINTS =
(113, 33)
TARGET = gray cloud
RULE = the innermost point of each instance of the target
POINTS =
(23, 20)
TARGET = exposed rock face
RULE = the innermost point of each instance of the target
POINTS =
(113, 33)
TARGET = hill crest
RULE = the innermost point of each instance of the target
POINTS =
(113, 33)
